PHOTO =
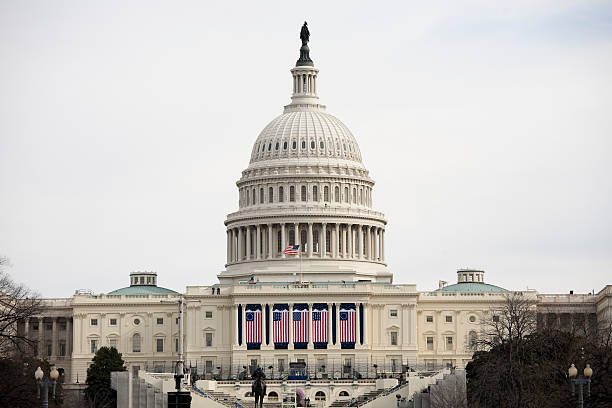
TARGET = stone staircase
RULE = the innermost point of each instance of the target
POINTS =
(360, 400)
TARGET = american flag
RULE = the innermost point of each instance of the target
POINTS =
(253, 326)
(319, 326)
(347, 325)
(300, 326)
(291, 250)
(280, 327)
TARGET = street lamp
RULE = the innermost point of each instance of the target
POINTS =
(581, 382)
(375, 370)
(399, 398)
(272, 371)
(44, 385)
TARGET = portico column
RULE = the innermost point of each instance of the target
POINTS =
(69, 337)
(41, 328)
(360, 241)
(336, 242)
(290, 327)
(357, 325)
(349, 236)
(310, 240)
(269, 241)
(243, 325)
(337, 325)
(323, 240)
(240, 235)
(405, 324)
(310, 346)
(258, 243)
(54, 336)
(329, 324)
(248, 243)
(283, 245)
(234, 323)
(413, 324)
(366, 328)
(26, 328)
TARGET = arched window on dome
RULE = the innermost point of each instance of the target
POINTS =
(346, 194)
(269, 146)
(315, 193)
(354, 196)
(337, 194)
(291, 237)
(284, 145)
(328, 241)
(276, 146)
(303, 240)
(294, 145)
(303, 193)
(303, 144)
(321, 145)
(292, 193)
(254, 198)
(315, 240)
(312, 144)
(136, 343)
(326, 193)
(361, 196)
(261, 196)
(281, 194)
(248, 198)
(271, 195)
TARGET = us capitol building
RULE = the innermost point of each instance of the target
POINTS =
(333, 306)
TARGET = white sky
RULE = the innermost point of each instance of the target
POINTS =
(487, 127)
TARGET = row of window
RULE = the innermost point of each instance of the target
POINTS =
(159, 320)
(449, 345)
(137, 343)
(254, 196)
(448, 318)
(267, 146)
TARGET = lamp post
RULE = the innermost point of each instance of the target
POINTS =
(399, 398)
(581, 382)
(271, 368)
(44, 384)
(375, 370)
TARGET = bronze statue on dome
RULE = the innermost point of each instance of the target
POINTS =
(304, 34)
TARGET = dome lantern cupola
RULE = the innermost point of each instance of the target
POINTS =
(304, 78)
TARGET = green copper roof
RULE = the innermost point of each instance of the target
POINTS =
(472, 287)
(142, 290)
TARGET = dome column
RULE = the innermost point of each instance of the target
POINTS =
(258, 243)
(336, 242)
(296, 235)
(269, 241)
(309, 242)
(323, 241)
(240, 239)
(283, 245)
(360, 237)
(350, 240)
(229, 245)
(248, 243)
(382, 246)
(369, 242)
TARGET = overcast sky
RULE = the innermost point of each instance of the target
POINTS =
(125, 125)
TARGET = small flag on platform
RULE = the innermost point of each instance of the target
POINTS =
(291, 250)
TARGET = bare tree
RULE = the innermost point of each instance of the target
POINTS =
(17, 303)
(449, 393)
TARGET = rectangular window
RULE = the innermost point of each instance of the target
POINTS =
(49, 349)
(394, 338)
(348, 366)
(62, 325)
(208, 366)
(94, 322)
(281, 365)
(209, 315)
(160, 320)
(34, 326)
(429, 365)
(393, 312)
(112, 343)
(394, 365)
(449, 319)
(292, 193)
(49, 326)
(429, 319)
(430, 343)
(281, 194)
(94, 346)
(449, 343)
(209, 338)
(62, 349)
(271, 195)
(160, 345)
(321, 365)
(113, 322)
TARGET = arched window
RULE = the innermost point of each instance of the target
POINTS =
(321, 145)
(292, 237)
(315, 193)
(360, 196)
(281, 194)
(136, 343)
(354, 196)
(312, 144)
(261, 196)
(284, 145)
(343, 394)
(346, 195)
(272, 396)
(303, 193)
(337, 194)
(253, 197)
(328, 241)
(303, 144)
(315, 239)
(326, 193)
(276, 147)
(303, 239)
(320, 396)
(279, 247)
(269, 146)
(292, 193)
(248, 198)
(294, 145)
(271, 195)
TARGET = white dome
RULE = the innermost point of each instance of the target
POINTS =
(309, 133)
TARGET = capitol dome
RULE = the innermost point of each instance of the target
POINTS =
(305, 187)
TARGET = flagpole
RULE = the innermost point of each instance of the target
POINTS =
(300, 257)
